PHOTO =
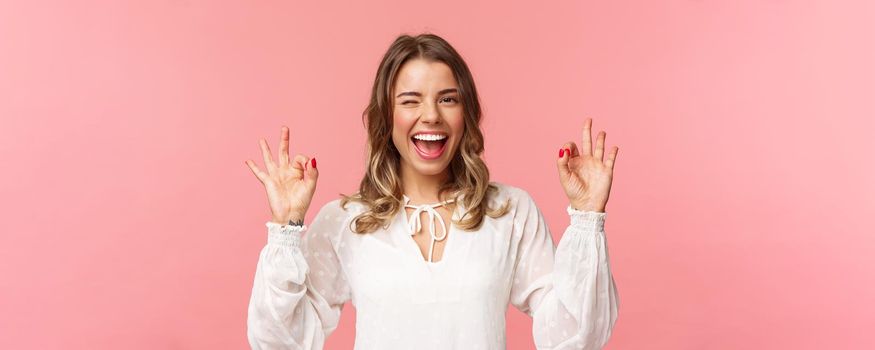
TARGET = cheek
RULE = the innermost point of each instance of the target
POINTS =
(458, 126)
(399, 139)
(402, 120)
(457, 123)
(400, 128)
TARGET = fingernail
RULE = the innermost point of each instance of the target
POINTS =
(561, 152)
(313, 163)
(568, 152)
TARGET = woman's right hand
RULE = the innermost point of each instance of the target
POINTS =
(290, 185)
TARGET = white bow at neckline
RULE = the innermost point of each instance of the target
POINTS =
(415, 224)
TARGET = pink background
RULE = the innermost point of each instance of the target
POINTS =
(741, 214)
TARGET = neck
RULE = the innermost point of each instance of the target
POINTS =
(422, 188)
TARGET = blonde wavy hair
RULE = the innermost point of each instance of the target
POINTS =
(380, 189)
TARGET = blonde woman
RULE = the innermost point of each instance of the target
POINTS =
(429, 251)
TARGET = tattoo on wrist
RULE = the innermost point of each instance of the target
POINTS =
(296, 223)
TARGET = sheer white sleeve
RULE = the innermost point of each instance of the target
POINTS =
(299, 287)
(573, 303)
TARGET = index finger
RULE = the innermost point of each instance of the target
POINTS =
(265, 153)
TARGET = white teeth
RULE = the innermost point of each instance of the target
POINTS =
(429, 137)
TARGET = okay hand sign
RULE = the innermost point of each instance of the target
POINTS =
(290, 185)
(585, 175)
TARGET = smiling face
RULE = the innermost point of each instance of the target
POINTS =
(428, 118)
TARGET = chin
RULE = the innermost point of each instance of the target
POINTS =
(430, 169)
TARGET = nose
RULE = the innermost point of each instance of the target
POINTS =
(431, 113)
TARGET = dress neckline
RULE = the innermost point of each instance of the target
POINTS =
(414, 224)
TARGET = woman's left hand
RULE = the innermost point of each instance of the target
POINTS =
(585, 177)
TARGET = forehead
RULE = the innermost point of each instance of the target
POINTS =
(419, 74)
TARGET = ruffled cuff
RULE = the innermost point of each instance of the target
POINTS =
(284, 235)
(587, 219)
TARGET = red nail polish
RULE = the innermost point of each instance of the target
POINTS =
(568, 152)
(313, 163)
(561, 152)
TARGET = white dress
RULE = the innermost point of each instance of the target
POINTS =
(305, 274)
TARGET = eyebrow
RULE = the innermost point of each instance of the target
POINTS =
(416, 93)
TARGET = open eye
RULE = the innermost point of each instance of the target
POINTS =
(453, 99)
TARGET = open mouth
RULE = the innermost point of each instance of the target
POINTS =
(429, 147)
